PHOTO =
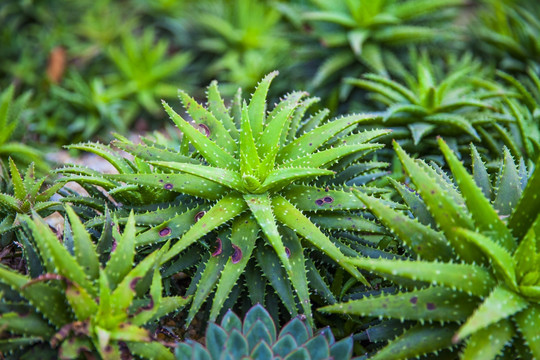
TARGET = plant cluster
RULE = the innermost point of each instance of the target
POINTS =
(393, 213)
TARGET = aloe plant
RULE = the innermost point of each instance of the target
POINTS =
(472, 268)
(269, 176)
(143, 66)
(362, 31)
(20, 195)
(10, 119)
(94, 106)
(245, 40)
(78, 300)
(256, 337)
(428, 101)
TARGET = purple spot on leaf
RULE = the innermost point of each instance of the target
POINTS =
(328, 199)
(430, 306)
(414, 300)
(219, 248)
(288, 252)
(237, 254)
(168, 186)
(204, 129)
(134, 282)
(150, 305)
(165, 231)
(199, 215)
(319, 202)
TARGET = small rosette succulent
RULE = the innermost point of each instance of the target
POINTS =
(257, 338)
(424, 100)
(21, 195)
(81, 299)
(472, 280)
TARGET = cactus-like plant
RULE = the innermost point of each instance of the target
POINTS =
(256, 338)
(268, 176)
(144, 66)
(79, 300)
(21, 195)
(427, 100)
(11, 108)
(244, 40)
(473, 264)
(364, 30)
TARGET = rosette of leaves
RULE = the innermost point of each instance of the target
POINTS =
(244, 40)
(472, 278)
(427, 101)
(143, 65)
(94, 107)
(81, 298)
(11, 109)
(21, 195)
(256, 337)
(262, 188)
(363, 31)
(510, 33)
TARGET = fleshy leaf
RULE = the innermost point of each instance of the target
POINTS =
(473, 279)
(499, 305)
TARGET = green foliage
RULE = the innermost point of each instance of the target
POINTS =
(365, 31)
(78, 299)
(10, 120)
(21, 195)
(509, 32)
(251, 183)
(469, 264)
(242, 41)
(427, 100)
(143, 67)
(256, 338)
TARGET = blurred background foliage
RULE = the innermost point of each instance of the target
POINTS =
(85, 69)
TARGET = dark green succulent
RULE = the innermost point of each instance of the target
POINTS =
(364, 30)
(473, 270)
(256, 338)
(271, 177)
(77, 300)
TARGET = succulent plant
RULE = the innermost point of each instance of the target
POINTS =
(509, 33)
(244, 39)
(93, 107)
(364, 30)
(472, 274)
(143, 66)
(256, 338)
(427, 101)
(78, 300)
(268, 176)
(524, 137)
(21, 195)
(10, 114)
